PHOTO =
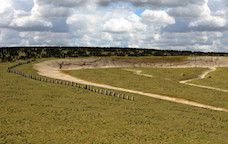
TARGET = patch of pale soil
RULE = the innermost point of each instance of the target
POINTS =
(138, 72)
(51, 69)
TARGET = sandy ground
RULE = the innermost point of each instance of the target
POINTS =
(52, 69)
(138, 72)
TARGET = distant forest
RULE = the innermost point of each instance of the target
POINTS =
(23, 53)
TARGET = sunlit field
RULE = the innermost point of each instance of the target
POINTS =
(113, 71)
(218, 78)
(163, 81)
(38, 112)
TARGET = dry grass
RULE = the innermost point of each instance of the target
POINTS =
(218, 79)
(36, 112)
(165, 82)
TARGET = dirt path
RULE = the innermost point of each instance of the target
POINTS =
(202, 76)
(186, 82)
(48, 70)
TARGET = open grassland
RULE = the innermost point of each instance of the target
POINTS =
(164, 81)
(28, 68)
(218, 79)
(37, 112)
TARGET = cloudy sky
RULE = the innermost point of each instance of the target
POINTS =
(200, 25)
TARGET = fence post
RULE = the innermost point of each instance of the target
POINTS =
(56, 81)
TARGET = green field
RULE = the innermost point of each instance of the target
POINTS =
(164, 81)
(218, 79)
(37, 112)
(152, 59)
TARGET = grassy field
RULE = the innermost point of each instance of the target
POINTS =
(37, 112)
(152, 59)
(218, 79)
(164, 81)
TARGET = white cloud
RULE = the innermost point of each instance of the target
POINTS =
(106, 36)
(165, 24)
(206, 19)
(5, 6)
(137, 23)
(158, 16)
(118, 25)
(154, 3)
(50, 11)
(210, 21)
(9, 37)
(80, 20)
(191, 10)
(6, 12)
(61, 3)
(30, 23)
(44, 38)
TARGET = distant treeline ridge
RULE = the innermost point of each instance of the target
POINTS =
(23, 53)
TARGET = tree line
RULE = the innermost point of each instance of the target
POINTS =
(23, 53)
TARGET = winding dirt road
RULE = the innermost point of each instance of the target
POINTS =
(186, 82)
(51, 69)
(202, 76)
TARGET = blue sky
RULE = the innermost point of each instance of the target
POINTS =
(139, 11)
(198, 25)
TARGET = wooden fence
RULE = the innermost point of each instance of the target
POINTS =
(67, 83)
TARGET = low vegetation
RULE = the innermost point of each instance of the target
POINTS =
(151, 59)
(37, 112)
(23, 53)
(218, 79)
(164, 81)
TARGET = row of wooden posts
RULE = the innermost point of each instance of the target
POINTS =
(62, 82)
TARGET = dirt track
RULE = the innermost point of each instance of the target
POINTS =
(186, 82)
(202, 76)
(51, 69)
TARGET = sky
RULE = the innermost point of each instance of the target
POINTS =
(196, 25)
